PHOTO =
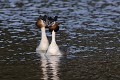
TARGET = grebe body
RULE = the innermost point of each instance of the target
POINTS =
(44, 41)
(53, 48)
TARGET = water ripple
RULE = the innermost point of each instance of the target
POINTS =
(89, 32)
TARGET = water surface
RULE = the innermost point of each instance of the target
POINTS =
(89, 32)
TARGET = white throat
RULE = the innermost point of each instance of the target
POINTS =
(53, 37)
(44, 41)
(53, 49)
(43, 34)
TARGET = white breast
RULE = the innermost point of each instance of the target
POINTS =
(44, 43)
(53, 48)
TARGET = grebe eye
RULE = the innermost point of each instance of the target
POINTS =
(43, 21)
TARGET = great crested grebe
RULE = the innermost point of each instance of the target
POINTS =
(53, 48)
(42, 23)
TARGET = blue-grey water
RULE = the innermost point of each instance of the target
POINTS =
(89, 33)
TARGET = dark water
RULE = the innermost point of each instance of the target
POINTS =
(89, 31)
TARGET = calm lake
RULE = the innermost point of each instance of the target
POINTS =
(89, 33)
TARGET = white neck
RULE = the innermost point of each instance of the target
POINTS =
(43, 34)
(53, 47)
(53, 36)
(44, 41)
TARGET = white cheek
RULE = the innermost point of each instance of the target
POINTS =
(44, 23)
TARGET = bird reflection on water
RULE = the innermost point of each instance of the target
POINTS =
(50, 66)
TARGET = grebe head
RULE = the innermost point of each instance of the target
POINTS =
(42, 21)
(51, 20)
(54, 26)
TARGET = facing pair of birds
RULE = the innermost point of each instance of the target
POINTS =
(48, 22)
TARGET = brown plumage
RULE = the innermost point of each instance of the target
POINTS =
(42, 21)
(54, 27)
(39, 23)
